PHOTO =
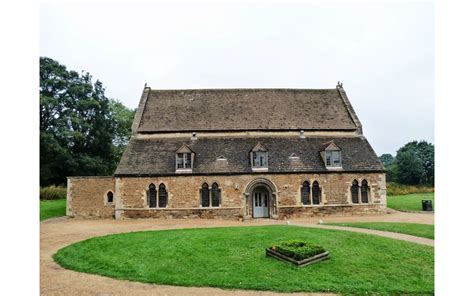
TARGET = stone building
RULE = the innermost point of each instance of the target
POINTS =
(238, 153)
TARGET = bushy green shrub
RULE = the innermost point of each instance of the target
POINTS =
(400, 189)
(298, 250)
(53, 192)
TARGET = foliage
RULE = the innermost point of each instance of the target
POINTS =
(53, 192)
(413, 164)
(52, 208)
(386, 159)
(81, 130)
(234, 258)
(122, 122)
(421, 230)
(410, 202)
(400, 189)
(297, 249)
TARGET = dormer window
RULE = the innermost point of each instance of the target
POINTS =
(184, 159)
(259, 158)
(333, 158)
(331, 154)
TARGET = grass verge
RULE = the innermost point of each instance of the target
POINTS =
(52, 208)
(421, 230)
(409, 202)
(234, 258)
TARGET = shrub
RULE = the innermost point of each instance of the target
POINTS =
(53, 192)
(298, 250)
(400, 189)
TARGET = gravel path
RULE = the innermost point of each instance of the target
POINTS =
(60, 232)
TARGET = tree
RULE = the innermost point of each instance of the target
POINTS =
(122, 122)
(386, 159)
(81, 131)
(425, 153)
(409, 167)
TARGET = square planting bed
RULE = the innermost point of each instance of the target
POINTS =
(299, 253)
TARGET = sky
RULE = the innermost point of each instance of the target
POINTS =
(382, 52)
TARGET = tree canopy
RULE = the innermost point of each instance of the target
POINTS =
(82, 132)
(413, 164)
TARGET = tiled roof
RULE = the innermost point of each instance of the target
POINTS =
(156, 156)
(244, 109)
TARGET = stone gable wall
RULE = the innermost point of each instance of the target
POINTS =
(87, 197)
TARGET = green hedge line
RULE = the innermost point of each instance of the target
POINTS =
(399, 189)
(53, 192)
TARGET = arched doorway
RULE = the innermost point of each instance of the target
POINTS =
(260, 199)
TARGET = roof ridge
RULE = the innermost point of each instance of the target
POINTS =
(240, 89)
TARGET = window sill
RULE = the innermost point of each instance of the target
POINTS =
(181, 171)
(259, 169)
(334, 168)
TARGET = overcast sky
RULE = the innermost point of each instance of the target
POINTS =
(383, 53)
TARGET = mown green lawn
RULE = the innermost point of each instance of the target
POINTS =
(52, 208)
(409, 202)
(234, 258)
(421, 230)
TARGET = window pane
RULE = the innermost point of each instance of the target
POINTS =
(316, 193)
(162, 196)
(355, 191)
(305, 193)
(152, 193)
(215, 198)
(328, 158)
(180, 160)
(205, 195)
(260, 159)
(110, 197)
(337, 157)
(188, 160)
(364, 191)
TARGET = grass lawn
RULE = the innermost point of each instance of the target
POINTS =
(234, 258)
(409, 202)
(422, 230)
(52, 208)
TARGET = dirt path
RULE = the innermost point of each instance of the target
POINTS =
(60, 232)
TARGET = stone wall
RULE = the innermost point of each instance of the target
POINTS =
(87, 197)
(184, 195)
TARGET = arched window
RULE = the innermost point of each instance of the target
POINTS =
(364, 191)
(355, 191)
(305, 193)
(316, 193)
(152, 196)
(162, 196)
(215, 195)
(110, 197)
(205, 195)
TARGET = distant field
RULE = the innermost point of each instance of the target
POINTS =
(52, 208)
(421, 230)
(409, 202)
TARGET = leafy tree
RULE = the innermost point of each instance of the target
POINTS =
(386, 159)
(405, 167)
(122, 122)
(425, 153)
(81, 131)
(409, 167)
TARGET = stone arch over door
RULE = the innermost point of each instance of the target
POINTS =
(272, 190)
